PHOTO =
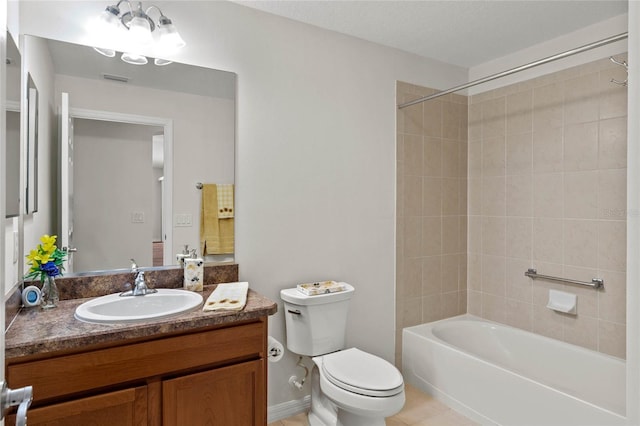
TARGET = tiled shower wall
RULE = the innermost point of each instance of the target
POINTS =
(431, 261)
(547, 189)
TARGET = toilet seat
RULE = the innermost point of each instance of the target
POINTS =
(363, 373)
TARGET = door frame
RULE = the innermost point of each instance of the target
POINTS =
(167, 187)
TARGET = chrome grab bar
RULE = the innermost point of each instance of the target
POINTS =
(596, 283)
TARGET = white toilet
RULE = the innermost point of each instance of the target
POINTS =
(349, 387)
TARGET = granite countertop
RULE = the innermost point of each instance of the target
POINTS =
(37, 332)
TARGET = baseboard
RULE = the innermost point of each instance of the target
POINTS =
(288, 409)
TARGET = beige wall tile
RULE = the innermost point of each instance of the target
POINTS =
(547, 150)
(493, 118)
(580, 197)
(548, 195)
(450, 304)
(493, 156)
(412, 312)
(475, 122)
(494, 308)
(612, 245)
(431, 275)
(475, 159)
(587, 297)
(463, 192)
(432, 118)
(475, 196)
(548, 104)
(432, 156)
(519, 153)
(612, 194)
(431, 236)
(519, 195)
(450, 269)
(613, 100)
(518, 286)
(493, 275)
(581, 98)
(413, 152)
(612, 152)
(520, 112)
(412, 203)
(475, 234)
(581, 146)
(432, 196)
(612, 299)
(474, 272)
(547, 322)
(412, 278)
(581, 243)
(450, 158)
(578, 330)
(519, 237)
(474, 303)
(450, 234)
(612, 338)
(493, 196)
(432, 308)
(412, 236)
(547, 241)
(413, 120)
(519, 314)
(450, 196)
(494, 236)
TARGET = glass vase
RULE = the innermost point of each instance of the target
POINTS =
(49, 293)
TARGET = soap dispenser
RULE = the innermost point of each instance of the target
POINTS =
(193, 272)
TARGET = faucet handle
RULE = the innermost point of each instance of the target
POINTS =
(134, 266)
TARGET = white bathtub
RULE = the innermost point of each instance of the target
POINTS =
(496, 374)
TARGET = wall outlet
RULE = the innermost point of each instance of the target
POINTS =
(137, 217)
(184, 219)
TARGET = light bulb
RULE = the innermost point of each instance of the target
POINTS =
(109, 53)
(169, 39)
(161, 62)
(140, 31)
(134, 59)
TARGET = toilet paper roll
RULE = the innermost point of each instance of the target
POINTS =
(275, 350)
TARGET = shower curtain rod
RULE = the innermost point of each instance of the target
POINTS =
(518, 69)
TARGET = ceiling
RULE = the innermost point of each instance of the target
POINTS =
(459, 32)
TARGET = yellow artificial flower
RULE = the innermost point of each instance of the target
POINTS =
(48, 243)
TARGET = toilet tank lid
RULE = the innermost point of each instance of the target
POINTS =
(296, 297)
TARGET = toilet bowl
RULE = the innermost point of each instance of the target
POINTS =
(349, 387)
(363, 388)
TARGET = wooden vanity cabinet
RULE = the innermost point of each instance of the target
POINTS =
(214, 376)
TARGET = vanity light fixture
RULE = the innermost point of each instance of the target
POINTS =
(136, 28)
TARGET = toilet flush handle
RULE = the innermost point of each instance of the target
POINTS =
(296, 312)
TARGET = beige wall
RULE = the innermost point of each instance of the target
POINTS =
(431, 233)
(547, 189)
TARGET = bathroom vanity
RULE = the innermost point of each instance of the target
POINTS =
(193, 369)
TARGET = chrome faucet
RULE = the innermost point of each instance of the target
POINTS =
(139, 285)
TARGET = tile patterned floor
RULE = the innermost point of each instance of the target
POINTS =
(419, 410)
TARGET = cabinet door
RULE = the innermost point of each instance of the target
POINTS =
(123, 408)
(225, 396)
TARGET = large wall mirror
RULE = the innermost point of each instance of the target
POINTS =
(136, 142)
(12, 164)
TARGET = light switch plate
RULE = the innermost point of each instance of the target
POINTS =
(184, 219)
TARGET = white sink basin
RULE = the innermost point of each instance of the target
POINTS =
(114, 308)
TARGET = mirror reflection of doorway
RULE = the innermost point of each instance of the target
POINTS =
(117, 194)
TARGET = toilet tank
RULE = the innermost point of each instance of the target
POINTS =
(316, 325)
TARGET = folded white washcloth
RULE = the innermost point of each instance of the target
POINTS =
(228, 296)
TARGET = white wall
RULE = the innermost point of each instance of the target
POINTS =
(315, 152)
